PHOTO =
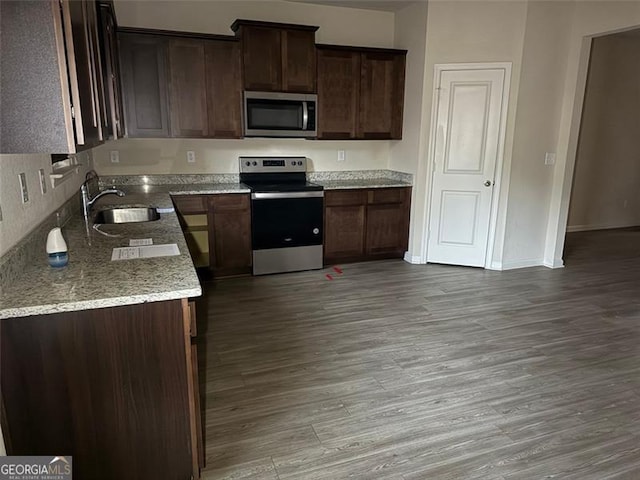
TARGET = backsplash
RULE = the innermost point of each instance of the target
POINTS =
(32, 247)
(214, 156)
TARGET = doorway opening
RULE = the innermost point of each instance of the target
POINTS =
(604, 209)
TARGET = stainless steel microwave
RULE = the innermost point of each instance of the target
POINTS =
(273, 114)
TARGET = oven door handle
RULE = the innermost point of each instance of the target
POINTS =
(277, 195)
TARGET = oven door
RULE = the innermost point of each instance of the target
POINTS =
(282, 220)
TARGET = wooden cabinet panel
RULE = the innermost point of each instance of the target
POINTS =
(381, 96)
(343, 198)
(387, 195)
(338, 93)
(366, 224)
(110, 386)
(277, 57)
(262, 59)
(188, 88)
(344, 232)
(190, 204)
(386, 229)
(230, 234)
(144, 81)
(224, 88)
(298, 61)
(360, 92)
(111, 72)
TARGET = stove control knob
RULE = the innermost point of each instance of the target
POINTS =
(316, 231)
(247, 163)
(255, 163)
(293, 162)
(300, 163)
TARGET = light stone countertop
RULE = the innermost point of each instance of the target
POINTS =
(92, 280)
(361, 183)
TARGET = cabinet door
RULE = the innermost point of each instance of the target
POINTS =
(299, 61)
(338, 93)
(387, 222)
(144, 83)
(262, 58)
(230, 234)
(188, 104)
(381, 95)
(224, 88)
(111, 73)
(344, 218)
(82, 22)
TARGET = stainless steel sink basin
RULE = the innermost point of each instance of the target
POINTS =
(127, 215)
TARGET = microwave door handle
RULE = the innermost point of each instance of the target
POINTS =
(305, 115)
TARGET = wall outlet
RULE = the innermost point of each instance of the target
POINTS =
(342, 155)
(23, 187)
(114, 155)
(43, 182)
(549, 158)
(191, 156)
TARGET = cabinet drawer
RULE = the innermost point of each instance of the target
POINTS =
(387, 195)
(227, 202)
(345, 197)
(189, 204)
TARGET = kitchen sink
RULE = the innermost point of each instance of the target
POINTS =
(126, 215)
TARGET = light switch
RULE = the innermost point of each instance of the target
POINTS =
(191, 156)
(549, 158)
(115, 156)
(342, 155)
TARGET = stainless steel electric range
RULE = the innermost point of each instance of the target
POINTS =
(286, 214)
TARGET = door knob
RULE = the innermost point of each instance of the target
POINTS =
(488, 183)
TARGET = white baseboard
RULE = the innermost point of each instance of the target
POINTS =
(495, 266)
(531, 262)
(588, 228)
(412, 259)
(556, 263)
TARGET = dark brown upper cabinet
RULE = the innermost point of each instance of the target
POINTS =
(144, 66)
(51, 100)
(277, 57)
(114, 119)
(338, 93)
(181, 85)
(360, 93)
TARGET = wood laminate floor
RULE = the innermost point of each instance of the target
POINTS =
(398, 371)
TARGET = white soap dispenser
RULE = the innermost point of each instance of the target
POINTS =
(57, 248)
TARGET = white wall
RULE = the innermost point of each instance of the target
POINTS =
(18, 218)
(606, 186)
(536, 131)
(344, 26)
(164, 156)
(411, 34)
(467, 32)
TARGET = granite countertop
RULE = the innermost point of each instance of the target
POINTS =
(92, 280)
(361, 183)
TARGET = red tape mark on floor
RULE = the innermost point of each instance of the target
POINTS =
(329, 277)
(338, 270)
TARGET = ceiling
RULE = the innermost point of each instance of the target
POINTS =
(382, 5)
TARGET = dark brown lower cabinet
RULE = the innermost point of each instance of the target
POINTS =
(218, 231)
(113, 387)
(366, 224)
(230, 234)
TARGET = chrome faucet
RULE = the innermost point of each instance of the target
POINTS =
(87, 200)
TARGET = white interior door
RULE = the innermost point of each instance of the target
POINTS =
(469, 120)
